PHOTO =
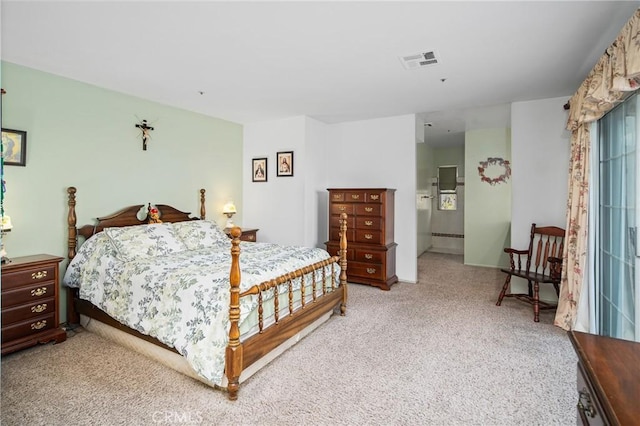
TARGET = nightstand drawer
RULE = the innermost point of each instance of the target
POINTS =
(30, 310)
(31, 276)
(33, 294)
(248, 236)
(31, 326)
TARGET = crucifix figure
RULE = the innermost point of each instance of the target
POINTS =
(145, 133)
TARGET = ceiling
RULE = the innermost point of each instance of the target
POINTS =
(333, 61)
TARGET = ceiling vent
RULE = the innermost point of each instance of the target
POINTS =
(420, 60)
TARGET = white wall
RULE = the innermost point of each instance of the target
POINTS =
(540, 169)
(277, 207)
(381, 153)
(371, 153)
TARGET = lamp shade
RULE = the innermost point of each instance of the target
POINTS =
(6, 223)
(229, 208)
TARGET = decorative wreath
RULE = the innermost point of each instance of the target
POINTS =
(491, 161)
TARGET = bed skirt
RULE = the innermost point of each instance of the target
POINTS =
(176, 361)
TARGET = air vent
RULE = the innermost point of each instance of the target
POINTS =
(420, 60)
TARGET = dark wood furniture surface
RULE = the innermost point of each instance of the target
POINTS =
(372, 250)
(540, 263)
(239, 355)
(248, 234)
(608, 380)
(30, 297)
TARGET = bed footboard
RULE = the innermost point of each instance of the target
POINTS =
(240, 355)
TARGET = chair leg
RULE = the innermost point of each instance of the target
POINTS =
(557, 287)
(530, 289)
(536, 302)
(504, 290)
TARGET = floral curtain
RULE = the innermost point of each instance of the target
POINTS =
(612, 78)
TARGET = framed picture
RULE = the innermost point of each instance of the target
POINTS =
(14, 147)
(285, 163)
(259, 170)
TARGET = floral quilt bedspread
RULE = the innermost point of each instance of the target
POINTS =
(182, 298)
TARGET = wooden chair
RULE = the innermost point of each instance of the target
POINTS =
(544, 265)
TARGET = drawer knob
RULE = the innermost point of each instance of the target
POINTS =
(368, 236)
(39, 325)
(39, 308)
(586, 407)
(39, 275)
(250, 237)
(355, 196)
(368, 209)
(38, 291)
(342, 208)
(368, 256)
(368, 222)
(371, 270)
(375, 197)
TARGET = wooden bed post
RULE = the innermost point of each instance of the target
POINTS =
(203, 213)
(233, 359)
(343, 262)
(71, 221)
(72, 242)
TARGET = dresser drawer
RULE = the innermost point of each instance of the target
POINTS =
(368, 236)
(368, 256)
(33, 294)
(368, 210)
(369, 223)
(587, 406)
(26, 328)
(366, 270)
(31, 276)
(374, 197)
(334, 235)
(30, 310)
(339, 208)
(337, 197)
(334, 221)
(354, 197)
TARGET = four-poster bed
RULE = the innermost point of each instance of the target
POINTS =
(283, 307)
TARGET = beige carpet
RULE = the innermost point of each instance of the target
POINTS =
(439, 352)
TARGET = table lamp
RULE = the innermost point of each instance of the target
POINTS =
(6, 227)
(229, 209)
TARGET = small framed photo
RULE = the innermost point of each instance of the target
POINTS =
(259, 170)
(285, 163)
(14, 147)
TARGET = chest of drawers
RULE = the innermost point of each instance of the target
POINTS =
(608, 380)
(371, 248)
(30, 302)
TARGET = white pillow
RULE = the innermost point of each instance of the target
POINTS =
(199, 234)
(145, 241)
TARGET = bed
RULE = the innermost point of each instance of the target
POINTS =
(173, 286)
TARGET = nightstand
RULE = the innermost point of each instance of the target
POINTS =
(30, 296)
(248, 234)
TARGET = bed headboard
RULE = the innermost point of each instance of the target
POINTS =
(125, 217)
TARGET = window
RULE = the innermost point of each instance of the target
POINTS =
(616, 259)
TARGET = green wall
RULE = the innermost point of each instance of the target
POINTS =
(85, 136)
(449, 156)
(487, 219)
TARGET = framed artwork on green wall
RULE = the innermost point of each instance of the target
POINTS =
(14, 147)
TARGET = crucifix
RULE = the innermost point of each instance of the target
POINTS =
(145, 133)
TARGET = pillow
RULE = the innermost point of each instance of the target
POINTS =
(145, 241)
(199, 234)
